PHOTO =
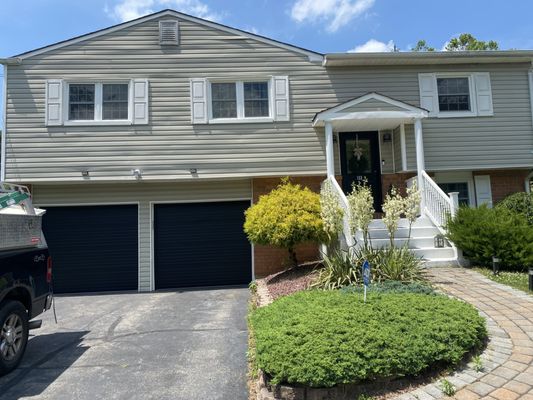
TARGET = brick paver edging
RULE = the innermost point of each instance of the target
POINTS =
(508, 358)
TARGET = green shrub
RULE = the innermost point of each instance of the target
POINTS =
(392, 264)
(387, 264)
(324, 338)
(486, 232)
(285, 217)
(521, 203)
(393, 287)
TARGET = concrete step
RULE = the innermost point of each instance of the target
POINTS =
(402, 233)
(434, 254)
(421, 222)
(414, 243)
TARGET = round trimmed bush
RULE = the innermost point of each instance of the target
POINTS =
(324, 338)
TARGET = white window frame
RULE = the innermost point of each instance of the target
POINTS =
(459, 177)
(240, 101)
(471, 90)
(98, 103)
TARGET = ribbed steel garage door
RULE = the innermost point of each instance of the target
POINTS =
(201, 244)
(93, 248)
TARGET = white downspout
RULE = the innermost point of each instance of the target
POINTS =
(420, 163)
(330, 164)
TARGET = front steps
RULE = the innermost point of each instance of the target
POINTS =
(423, 233)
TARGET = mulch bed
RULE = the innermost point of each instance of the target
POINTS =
(292, 280)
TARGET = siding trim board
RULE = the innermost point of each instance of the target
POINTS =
(530, 74)
(241, 35)
(3, 143)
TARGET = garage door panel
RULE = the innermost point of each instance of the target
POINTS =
(201, 244)
(94, 248)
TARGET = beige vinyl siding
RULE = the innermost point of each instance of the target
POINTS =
(499, 141)
(372, 105)
(169, 145)
(143, 194)
(386, 153)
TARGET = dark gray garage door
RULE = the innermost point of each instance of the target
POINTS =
(201, 244)
(93, 248)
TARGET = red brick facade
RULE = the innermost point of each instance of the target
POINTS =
(398, 180)
(268, 259)
(505, 182)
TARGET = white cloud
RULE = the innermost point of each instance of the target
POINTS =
(126, 10)
(335, 13)
(373, 46)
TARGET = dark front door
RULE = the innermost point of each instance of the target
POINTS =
(360, 162)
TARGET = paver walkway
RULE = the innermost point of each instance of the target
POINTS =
(508, 359)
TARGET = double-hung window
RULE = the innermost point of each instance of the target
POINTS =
(454, 94)
(100, 102)
(241, 100)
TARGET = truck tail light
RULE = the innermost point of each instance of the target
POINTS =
(49, 270)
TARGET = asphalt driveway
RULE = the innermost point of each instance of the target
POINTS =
(172, 345)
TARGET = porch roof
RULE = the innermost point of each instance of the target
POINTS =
(371, 111)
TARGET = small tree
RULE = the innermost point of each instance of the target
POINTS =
(393, 207)
(467, 42)
(412, 206)
(361, 205)
(331, 212)
(421, 45)
(285, 217)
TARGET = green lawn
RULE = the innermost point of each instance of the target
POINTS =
(518, 280)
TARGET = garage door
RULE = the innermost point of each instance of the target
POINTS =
(201, 244)
(93, 248)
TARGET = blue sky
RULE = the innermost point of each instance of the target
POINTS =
(320, 25)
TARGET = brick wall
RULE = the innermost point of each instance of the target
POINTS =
(397, 180)
(505, 182)
(269, 259)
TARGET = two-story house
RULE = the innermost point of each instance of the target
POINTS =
(146, 141)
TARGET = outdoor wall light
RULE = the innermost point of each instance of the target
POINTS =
(85, 173)
(193, 170)
(137, 173)
(387, 137)
(438, 241)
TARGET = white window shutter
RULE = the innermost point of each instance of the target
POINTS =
(199, 101)
(280, 87)
(428, 93)
(483, 190)
(140, 101)
(483, 93)
(54, 102)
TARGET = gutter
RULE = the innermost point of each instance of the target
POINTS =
(11, 61)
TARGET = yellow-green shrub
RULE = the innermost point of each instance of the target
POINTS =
(285, 217)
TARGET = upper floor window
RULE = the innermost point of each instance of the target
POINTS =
(454, 94)
(240, 100)
(98, 101)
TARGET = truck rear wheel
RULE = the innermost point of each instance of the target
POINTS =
(13, 334)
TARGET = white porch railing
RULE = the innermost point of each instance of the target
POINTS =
(347, 239)
(436, 204)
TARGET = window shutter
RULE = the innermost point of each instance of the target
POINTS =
(428, 93)
(280, 85)
(483, 190)
(140, 101)
(483, 93)
(199, 101)
(54, 102)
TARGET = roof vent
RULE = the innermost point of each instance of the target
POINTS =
(168, 32)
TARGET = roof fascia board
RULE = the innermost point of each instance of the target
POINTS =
(312, 56)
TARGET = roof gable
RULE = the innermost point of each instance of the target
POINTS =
(239, 34)
(368, 103)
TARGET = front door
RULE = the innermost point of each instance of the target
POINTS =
(360, 162)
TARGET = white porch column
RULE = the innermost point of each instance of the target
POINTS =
(420, 163)
(330, 164)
